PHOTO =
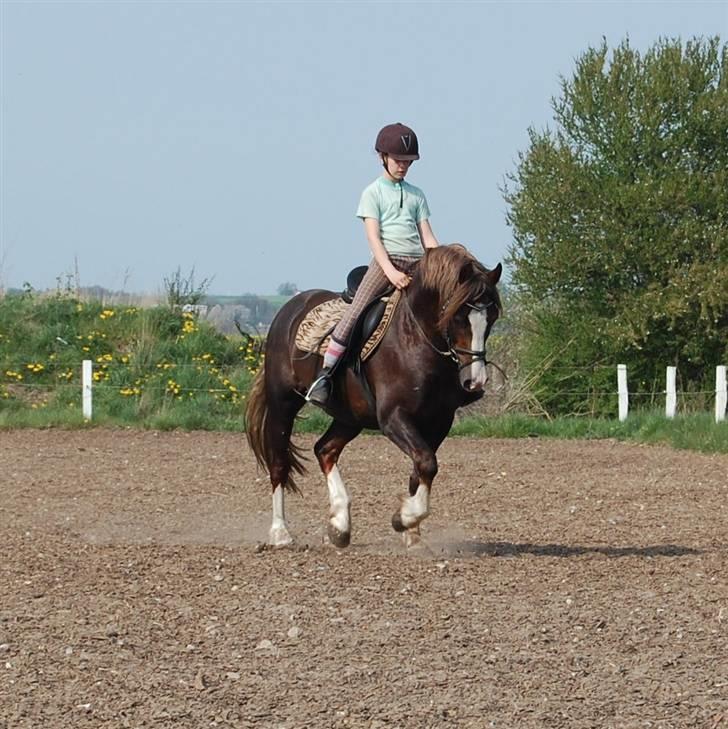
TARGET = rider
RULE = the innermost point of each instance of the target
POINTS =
(396, 222)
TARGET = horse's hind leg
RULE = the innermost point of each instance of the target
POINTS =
(327, 450)
(283, 459)
(279, 536)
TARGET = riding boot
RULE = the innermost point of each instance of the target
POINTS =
(320, 389)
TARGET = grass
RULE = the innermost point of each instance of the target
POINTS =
(696, 432)
(157, 367)
(185, 416)
(162, 369)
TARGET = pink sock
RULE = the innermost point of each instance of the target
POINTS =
(333, 353)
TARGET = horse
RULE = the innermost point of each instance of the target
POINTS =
(430, 362)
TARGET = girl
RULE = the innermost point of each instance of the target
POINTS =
(396, 222)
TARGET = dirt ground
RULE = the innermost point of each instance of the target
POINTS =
(568, 584)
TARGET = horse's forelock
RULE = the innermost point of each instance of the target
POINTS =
(470, 290)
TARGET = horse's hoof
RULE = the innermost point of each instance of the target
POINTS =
(397, 524)
(280, 538)
(414, 544)
(338, 538)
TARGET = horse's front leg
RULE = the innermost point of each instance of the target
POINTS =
(327, 450)
(411, 535)
(400, 429)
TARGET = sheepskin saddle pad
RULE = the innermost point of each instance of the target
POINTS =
(315, 330)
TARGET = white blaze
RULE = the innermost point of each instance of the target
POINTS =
(476, 372)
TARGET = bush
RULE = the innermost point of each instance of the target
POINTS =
(147, 362)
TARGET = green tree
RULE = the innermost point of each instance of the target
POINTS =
(620, 223)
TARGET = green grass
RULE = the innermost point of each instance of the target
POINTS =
(161, 369)
(689, 432)
(311, 420)
(697, 432)
(156, 367)
(47, 417)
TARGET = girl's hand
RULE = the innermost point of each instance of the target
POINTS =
(399, 279)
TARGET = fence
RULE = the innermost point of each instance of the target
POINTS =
(91, 379)
(671, 395)
(721, 394)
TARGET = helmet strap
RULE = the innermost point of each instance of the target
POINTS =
(385, 158)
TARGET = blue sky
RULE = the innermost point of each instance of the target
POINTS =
(236, 137)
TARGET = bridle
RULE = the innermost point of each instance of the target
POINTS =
(452, 352)
(476, 354)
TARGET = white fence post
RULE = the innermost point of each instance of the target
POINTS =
(86, 383)
(721, 393)
(670, 393)
(622, 392)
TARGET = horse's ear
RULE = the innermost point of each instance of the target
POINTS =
(495, 274)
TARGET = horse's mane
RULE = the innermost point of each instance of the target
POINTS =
(456, 276)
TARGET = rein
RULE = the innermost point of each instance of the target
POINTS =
(450, 352)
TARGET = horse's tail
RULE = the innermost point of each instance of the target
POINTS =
(287, 457)
(255, 414)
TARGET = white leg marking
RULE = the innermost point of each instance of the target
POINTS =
(476, 373)
(340, 501)
(415, 508)
(279, 535)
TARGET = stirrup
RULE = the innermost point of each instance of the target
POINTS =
(320, 389)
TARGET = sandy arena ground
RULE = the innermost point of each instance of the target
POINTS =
(568, 584)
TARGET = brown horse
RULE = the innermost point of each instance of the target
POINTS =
(430, 362)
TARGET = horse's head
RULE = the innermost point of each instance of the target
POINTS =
(468, 305)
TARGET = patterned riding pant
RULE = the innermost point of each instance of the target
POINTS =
(374, 283)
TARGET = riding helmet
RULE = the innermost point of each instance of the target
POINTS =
(398, 141)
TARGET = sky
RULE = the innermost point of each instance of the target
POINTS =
(235, 138)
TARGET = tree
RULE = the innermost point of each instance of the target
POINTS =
(287, 288)
(620, 220)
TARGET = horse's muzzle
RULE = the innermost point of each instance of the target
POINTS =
(473, 385)
(474, 376)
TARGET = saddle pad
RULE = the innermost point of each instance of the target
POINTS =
(315, 330)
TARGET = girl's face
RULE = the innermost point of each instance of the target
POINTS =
(397, 169)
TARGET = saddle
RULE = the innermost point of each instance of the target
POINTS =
(315, 330)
